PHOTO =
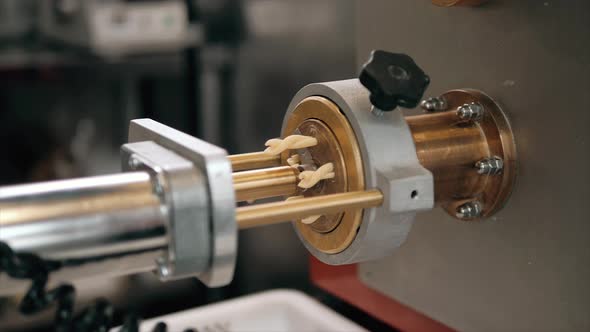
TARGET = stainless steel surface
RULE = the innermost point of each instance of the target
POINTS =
(182, 189)
(527, 268)
(88, 219)
(212, 161)
(390, 165)
(433, 104)
(113, 221)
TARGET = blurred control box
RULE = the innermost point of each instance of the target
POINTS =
(117, 27)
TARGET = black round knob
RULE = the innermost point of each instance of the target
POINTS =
(393, 80)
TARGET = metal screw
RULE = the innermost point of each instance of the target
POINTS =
(163, 269)
(377, 112)
(133, 163)
(157, 186)
(470, 112)
(493, 165)
(469, 210)
(434, 104)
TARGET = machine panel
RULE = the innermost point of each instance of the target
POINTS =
(527, 268)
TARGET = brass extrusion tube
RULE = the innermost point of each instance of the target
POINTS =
(272, 213)
(254, 160)
(267, 182)
(449, 151)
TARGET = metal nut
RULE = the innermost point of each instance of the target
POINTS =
(470, 112)
(492, 166)
(133, 163)
(434, 104)
(469, 210)
(163, 268)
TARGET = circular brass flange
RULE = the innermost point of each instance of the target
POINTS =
(494, 189)
(321, 118)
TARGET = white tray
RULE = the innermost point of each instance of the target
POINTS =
(272, 311)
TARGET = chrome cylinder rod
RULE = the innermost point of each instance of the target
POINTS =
(112, 224)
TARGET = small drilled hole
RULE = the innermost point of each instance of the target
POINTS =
(414, 194)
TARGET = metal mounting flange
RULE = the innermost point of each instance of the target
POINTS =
(214, 164)
(470, 149)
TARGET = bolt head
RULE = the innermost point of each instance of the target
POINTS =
(163, 268)
(493, 166)
(470, 112)
(133, 163)
(158, 188)
(469, 210)
(434, 104)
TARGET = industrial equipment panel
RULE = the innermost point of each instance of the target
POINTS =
(526, 268)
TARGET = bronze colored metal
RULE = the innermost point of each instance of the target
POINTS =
(254, 160)
(272, 213)
(450, 148)
(326, 151)
(450, 3)
(446, 145)
(266, 182)
(321, 118)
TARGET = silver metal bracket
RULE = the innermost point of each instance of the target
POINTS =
(216, 169)
(182, 189)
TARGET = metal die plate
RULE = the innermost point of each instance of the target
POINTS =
(319, 117)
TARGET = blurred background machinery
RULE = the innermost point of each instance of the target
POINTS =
(65, 108)
(115, 28)
(227, 76)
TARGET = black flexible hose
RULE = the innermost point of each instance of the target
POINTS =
(98, 317)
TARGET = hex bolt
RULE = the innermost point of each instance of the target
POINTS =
(434, 104)
(469, 210)
(491, 166)
(163, 269)
(157, 187)
(470, 112)
(133, 163)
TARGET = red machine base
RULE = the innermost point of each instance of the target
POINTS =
(343, 282)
